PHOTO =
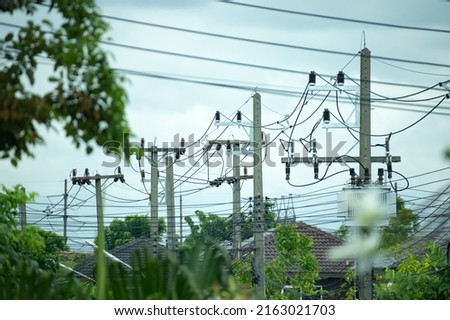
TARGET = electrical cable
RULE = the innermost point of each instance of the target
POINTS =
(321, 16)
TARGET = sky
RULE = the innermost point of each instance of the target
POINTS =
(185, 60)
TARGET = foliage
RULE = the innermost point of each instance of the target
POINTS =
(349, 285)
(213, 227)
(84, 93)
(342, 232)
(197, 273)
(27, 258)
(132, 227)
(400, 227)
(424, 277)
(294, 265)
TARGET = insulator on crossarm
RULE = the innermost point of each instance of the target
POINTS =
(182, 146)
(312, 78)
(239, 116)
(352, 177)
(340, 78)
(316, 170)
(217, 116)
(366, 176)
(288, 171)
(142, 174)
(326, 116)
(142, 142)
(228, 147)
(380, 175)
(245, 171)
(389, 170)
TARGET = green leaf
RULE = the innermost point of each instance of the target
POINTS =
(9, 37)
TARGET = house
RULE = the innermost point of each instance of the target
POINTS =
(123, 252)
(331, 272)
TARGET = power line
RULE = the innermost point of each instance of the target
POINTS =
(265, 42)
(321, 16)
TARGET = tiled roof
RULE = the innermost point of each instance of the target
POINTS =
(323, 242)
(123, 252)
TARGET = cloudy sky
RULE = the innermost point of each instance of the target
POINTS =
(185, 60)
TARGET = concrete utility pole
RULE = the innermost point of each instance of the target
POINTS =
(170, 201)
(365, 158)
(154, 225)
(236, 181)
(365, 276)
(237, 221)
(154, 232)
(65, 211)
(101, 262)
(259, 278)
(364, 113)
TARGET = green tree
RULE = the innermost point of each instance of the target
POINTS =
(210, 226)
(294, 265)
(424, 277)
(401, 226)
(85, 95)
(132, 227)
(28, 258)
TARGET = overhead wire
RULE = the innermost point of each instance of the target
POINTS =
(328, 17)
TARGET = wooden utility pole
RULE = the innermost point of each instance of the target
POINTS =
(259, 278)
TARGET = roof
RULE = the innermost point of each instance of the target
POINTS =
(123, 252)
(436, 229)
(323, 242)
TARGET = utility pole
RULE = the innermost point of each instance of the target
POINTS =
(365, 158)
(365, 276)
(170, 201)
(23, 214)
(154, 232)
(235, 148)
(365, 114)
(237, 221)
(65, 211)
(181, 219)
(101, 270)
(259, 278)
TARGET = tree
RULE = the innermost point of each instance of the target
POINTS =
(294, 265)
(213, 227)
(424, 277)
(84, 94)
(29, 258)
(132, 227)
(401, 226)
